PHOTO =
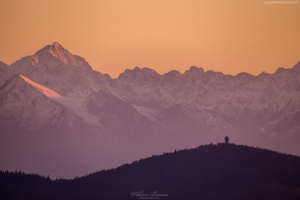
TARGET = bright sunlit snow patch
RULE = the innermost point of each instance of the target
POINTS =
(46, 91)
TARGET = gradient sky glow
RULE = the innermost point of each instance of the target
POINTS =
(113, 35)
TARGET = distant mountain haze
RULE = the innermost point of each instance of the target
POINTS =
(61, 118)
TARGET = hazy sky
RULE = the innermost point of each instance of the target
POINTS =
(113, 35)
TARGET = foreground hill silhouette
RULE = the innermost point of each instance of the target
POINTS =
(222, 171)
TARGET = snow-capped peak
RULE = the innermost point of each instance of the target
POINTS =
(62, 54)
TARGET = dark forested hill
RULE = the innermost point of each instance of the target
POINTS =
(222, 171)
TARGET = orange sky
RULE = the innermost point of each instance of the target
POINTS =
(113, 35)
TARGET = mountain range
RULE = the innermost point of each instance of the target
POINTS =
(62, 118)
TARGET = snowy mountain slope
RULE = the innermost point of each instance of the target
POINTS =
(151, 114)
(113, 112)
(78, 106)
(28, 106)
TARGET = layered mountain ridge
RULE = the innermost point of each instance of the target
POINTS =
(143, 112)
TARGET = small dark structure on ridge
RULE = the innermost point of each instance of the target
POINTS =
(226, 140)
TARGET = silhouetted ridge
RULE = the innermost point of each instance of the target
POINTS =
(222, 171)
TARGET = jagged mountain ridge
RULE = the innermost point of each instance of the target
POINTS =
(172, 110)
(262, 99)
